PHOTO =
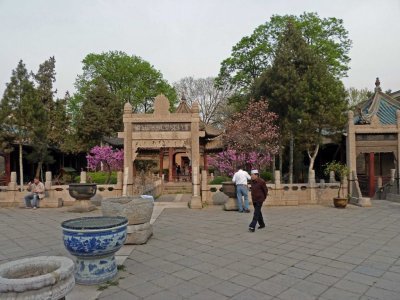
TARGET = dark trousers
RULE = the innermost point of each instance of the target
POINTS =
(257, 217)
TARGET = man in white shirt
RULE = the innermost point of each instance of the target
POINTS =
(36, 193)
(240, 179)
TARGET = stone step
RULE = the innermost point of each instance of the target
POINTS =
(393, 197)
(178, 191)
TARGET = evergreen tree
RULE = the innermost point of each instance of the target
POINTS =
(284, 85)
(305, 94)
(60, 128)
(19, 110)
(253, 54)
(100, 116)
(43, 123)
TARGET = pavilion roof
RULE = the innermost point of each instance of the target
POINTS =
(210, 130)
(383, 105)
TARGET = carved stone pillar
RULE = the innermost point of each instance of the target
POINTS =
(128, 165)
(47, 183)
(83, 177)
(195, 202)
(351, 145)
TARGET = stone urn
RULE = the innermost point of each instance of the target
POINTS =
(138, 211)
(229, 189)
(82, 192)
(94, 241)
(42, 277)
(340, 202)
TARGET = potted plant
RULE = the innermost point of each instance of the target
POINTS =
(341, 171)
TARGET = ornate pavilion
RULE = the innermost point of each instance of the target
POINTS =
(373, 140)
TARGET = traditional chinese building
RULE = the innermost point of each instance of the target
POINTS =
(373, 140)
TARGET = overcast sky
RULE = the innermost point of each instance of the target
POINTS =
(184, 37)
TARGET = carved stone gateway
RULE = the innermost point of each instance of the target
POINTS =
(162, 129)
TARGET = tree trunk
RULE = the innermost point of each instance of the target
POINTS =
(21, 167)
(280, 159)
(291, 159)
(273, 167)
(312, 155)
(108, 173)
(38, 169)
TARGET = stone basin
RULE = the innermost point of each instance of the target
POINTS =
(82, 191)
(137, 209)
(43, 277)
(229, 189)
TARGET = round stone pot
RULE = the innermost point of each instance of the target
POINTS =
(82, 192)
(34, 278)
(137, 209)
(94, 241)
(340, 202)
(229, 189)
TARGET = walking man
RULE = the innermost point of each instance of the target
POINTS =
(259, 192)
(240, 179)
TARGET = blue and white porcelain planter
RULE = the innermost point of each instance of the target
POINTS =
(94, 241)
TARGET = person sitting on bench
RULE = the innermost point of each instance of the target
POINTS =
(36, 192)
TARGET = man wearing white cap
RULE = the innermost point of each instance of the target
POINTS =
(259, 192)
(240, 179)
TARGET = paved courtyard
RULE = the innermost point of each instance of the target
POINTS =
(306, 252)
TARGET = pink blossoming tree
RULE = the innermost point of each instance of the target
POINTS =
(251, 139)
(112, 159)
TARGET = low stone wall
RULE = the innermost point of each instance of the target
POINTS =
(287, 194)
(58, 195)
(280, 193)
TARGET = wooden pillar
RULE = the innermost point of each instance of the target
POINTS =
(205, 161)
(161, 161)
(371, 174)
(171, 162)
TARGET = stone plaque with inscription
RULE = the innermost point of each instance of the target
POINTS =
(161, 127)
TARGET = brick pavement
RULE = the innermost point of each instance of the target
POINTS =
(306, 252)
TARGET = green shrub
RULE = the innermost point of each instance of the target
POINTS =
(99, 177)
(220, 179)
(266, 175)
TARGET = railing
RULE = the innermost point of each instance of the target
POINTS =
(363, 181)
(183, 178)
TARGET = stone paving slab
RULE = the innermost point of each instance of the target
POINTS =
(306, 252)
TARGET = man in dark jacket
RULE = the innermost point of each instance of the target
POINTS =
(259, 192)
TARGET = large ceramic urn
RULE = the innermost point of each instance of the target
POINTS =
(94, 241)
(138, 211)
(229, 189)
(42, 277)
(82, 192)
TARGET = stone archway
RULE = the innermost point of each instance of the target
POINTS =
(162, 129)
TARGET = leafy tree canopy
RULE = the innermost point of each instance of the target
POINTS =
(254, 53)
(100, 116)
(128, 77)
(308, 98)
